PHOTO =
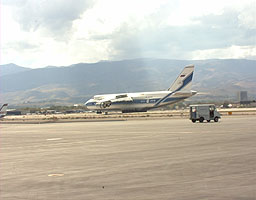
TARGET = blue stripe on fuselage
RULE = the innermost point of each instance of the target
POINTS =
(141, 101)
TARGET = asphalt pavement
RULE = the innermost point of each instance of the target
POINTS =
(133, 159)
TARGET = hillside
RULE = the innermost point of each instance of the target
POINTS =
(78, 82)
(11, 69)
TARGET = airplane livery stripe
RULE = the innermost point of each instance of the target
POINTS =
(185, 82)
(141, 101)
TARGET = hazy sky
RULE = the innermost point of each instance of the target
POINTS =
(38, 33)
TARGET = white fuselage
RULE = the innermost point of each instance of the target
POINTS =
(140, 101)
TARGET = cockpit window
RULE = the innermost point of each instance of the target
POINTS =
(97, 97)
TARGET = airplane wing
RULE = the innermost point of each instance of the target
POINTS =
(106, 102)
(124, 99)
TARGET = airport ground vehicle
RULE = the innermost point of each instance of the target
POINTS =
(203, 112)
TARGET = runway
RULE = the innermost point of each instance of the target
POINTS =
(132, 159)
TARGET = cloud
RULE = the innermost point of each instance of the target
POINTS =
(13, 2)
(235, 52)
(213, 31)
(63, 32)
(247, 16)
(54, 17)
(22, 46)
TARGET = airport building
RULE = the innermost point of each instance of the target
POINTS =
(242, 96)
(244, 100)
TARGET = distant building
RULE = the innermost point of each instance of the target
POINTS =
(242, 97)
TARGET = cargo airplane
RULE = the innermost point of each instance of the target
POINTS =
(143, 101)
(3, 110)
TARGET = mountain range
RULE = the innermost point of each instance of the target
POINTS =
(218, 79)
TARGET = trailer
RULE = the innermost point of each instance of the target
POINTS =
(203, 112)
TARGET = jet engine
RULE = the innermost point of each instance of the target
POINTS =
(103, 105)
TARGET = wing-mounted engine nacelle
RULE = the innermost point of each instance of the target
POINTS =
(103, 105)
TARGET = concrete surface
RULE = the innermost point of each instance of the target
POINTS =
(82, 117)
(134, 159)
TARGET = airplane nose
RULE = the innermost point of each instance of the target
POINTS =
(89, 103)
(86, 103)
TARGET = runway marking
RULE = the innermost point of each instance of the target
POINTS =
(56, 175)
(52, 139)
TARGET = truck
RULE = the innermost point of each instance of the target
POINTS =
(203, 112)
